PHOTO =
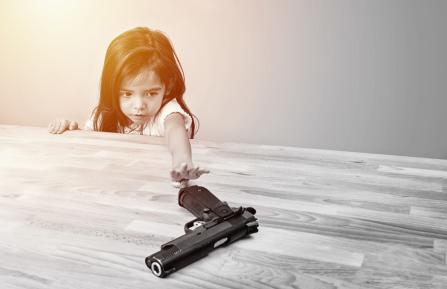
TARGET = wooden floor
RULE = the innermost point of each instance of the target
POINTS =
(83, 210)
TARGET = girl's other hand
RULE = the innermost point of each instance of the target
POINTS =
(183, 172)
(58, 126)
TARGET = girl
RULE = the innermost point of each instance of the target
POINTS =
(142, 88)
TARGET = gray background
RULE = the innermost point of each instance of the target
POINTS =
(354, 75)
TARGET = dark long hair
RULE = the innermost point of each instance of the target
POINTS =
(126, 55)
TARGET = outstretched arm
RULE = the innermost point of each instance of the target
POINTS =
(178, 145)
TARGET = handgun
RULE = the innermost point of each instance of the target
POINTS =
(216, 224)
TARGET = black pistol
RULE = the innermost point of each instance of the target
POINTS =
(216, 225)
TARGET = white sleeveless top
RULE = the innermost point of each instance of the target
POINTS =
(154, 127)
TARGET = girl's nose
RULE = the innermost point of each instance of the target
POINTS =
(139, 103)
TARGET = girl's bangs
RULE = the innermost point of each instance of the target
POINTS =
(138, 62)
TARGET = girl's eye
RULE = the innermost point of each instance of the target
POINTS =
(126, 94)
(151, 94)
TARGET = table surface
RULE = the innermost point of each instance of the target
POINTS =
(83, 210)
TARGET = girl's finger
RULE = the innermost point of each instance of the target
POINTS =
(175, 175)
(193, 174)
(51, 126)
(196, 173)
(66, 125)
(203, 171)
(73, 125)
(57, 125)
(63, 125)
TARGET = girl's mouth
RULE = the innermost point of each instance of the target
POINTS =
(139, 116)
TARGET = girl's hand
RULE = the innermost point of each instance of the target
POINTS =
(185, 172)
(60, 125)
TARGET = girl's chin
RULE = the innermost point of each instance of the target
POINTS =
(139, 120)
(135, 124)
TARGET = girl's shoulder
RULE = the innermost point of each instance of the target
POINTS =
(171, 107)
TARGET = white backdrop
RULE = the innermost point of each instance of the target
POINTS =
(351, 75)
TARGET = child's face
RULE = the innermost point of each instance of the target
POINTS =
(141, 96)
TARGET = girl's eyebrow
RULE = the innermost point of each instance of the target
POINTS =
(149, 89)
